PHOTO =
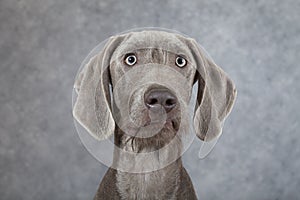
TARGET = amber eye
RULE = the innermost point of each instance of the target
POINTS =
(180, 61)
(130, 59)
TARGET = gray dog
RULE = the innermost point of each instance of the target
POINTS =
(138, 89)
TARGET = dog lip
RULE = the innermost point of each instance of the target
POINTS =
(171, 124)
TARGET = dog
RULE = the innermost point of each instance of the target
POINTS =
(138, 88)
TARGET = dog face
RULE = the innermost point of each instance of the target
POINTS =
(151, 74)
(152, 86)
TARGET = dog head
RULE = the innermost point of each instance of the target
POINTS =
(141, 82)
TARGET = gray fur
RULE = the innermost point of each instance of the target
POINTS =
(156, 52)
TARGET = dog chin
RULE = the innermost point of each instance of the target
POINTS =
(152, 136)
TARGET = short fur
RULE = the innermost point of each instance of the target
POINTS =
(156, 52)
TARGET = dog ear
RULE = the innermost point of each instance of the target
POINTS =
(215, 98)
(92, 108)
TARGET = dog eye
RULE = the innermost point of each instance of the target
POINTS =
(180, 61)
(130, 59)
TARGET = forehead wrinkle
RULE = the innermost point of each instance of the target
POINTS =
(158, 56)
(155, 55)
(152, 39)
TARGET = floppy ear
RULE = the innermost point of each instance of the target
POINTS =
(216, 95)
(92, 107)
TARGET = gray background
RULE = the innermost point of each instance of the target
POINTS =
(44, 42)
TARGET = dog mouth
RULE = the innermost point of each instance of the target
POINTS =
(170, 124)
(155, 135)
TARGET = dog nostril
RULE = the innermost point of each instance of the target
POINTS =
(152, 101)
(170, 102)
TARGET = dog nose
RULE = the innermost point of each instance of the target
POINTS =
(160, 97)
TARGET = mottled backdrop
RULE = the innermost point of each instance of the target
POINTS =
(42, 44)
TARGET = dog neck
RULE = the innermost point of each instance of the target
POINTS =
(138, 180)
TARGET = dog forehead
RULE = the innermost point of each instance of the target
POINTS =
(135, 41)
